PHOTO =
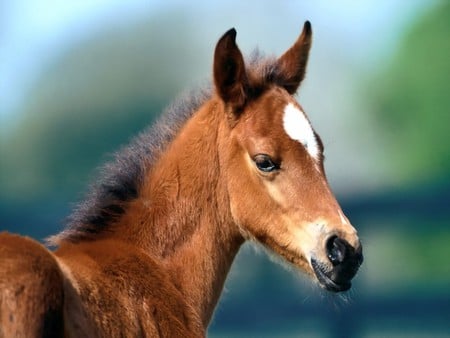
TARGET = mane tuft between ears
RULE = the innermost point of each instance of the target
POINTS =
(236, 85)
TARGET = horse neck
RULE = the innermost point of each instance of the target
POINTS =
(182, 217)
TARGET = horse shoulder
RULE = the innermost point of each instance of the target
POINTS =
(31, 292)
(115, 289)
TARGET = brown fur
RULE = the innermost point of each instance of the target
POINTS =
(31, 289)
(148, 253)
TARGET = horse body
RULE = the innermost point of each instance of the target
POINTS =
(119, 290)
(150, 254)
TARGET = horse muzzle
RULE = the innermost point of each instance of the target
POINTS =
(343, 263)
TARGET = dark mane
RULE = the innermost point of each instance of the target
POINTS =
(120, 180)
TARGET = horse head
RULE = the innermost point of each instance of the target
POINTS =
(274, 165)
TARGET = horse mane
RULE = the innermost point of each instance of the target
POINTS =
(120, 180)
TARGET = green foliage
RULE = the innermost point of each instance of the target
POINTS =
(412, 102)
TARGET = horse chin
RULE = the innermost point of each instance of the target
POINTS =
(325, 280)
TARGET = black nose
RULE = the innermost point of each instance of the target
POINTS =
(345, 260)
(340, 252)
(336, 250)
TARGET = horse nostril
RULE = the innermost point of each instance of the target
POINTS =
(336, 250)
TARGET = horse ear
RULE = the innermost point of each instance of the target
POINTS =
(230, 77)
(291, 66)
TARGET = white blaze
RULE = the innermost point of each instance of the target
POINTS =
(299, 129)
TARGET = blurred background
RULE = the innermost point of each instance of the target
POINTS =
(80, 78)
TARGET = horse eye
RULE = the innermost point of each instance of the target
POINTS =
(264, 163)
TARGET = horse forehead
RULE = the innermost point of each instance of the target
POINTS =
(298, 128)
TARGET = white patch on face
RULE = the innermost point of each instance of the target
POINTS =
(299, 129)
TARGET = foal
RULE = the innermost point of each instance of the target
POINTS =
(148, 252)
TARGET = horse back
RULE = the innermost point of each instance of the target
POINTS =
(31, 289)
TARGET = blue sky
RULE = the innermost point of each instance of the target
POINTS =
(33, 31)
